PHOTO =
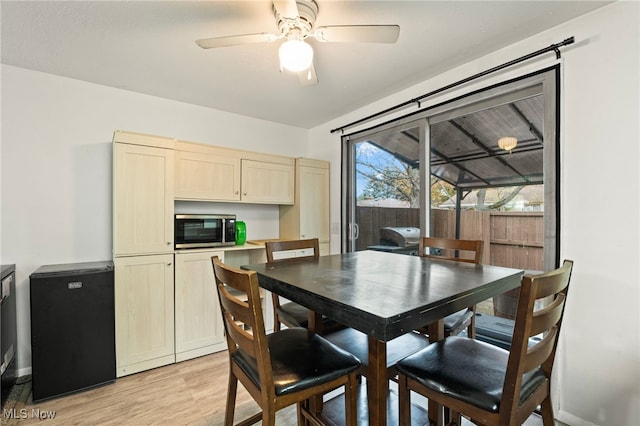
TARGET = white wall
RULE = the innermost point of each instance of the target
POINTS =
(597, 378)
(56, 168)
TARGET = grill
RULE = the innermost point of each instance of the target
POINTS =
(398, 239)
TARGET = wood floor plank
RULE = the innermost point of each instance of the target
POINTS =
(187, 393)
(191, 392)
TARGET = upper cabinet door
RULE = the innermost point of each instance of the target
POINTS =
(267, 183)
(313, 196)
(201, 176)
(142, 200)
(309, 216)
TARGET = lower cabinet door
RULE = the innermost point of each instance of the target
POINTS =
(144, 313)
(199, 326)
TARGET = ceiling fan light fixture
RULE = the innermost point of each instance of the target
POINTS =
(295, 55)
(507, 143)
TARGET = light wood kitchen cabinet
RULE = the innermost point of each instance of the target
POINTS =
(267, 182)
(144, 313)
(142, 200)
(308, 217)
(199, 328)
(207, 176)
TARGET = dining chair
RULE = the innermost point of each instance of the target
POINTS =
(469, 251)
(292, 314)
(282, 368)
(488, 384)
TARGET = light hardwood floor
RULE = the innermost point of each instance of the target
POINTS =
(187, 393)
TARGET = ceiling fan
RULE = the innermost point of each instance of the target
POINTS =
(295, 20)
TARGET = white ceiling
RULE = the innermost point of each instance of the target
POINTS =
(148, 47)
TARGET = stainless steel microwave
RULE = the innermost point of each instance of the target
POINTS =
(204, 230)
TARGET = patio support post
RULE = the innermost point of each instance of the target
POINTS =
(458, 207)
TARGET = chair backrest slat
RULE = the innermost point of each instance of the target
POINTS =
(243, 320)
(450, 249)
(539, 352)
(237, 316)
(548, 316)
(530, 322)
(292, 250)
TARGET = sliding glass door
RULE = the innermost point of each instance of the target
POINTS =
(384, 181)
(476, 186)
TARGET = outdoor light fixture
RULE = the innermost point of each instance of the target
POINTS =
(507, 143)
(295, 55)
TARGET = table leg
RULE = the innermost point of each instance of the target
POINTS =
(377, 382)
(315, 326)
(436, 332)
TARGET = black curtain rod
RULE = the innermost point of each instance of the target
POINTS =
(555, 47)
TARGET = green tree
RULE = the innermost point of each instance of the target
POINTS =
(504, 196)
(398, 181)
(441, 192)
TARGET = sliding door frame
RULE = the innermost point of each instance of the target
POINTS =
(545, 81)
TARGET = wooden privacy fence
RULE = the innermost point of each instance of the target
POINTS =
(511, 239)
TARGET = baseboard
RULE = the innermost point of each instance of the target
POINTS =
(570, 419)
(24, 371)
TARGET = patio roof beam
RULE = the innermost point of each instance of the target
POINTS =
(457, 165)
(528, 145)
(487, 150)
(532, 127)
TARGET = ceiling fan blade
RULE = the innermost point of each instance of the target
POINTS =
(308, 77)
(358, 33)
(286, 8)
(209, 43)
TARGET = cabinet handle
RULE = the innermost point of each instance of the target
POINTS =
(168, 263)
(168, 243)
(237, 192)
(244, 193)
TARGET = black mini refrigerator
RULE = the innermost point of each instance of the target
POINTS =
(72, 328)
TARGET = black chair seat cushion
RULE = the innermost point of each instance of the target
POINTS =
(294, 313)
(357, 343)
(467, 369)
(455, 323)
(299, 361)
(298, 314)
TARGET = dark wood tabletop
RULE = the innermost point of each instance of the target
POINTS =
(384, 295)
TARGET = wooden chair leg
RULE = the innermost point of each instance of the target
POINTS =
(454, 417)
(301, 418)
(404, 399)
(547, 412)
(231, 400)
(269, 417)
(350, 406)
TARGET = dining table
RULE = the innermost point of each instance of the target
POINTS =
(384, 295)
